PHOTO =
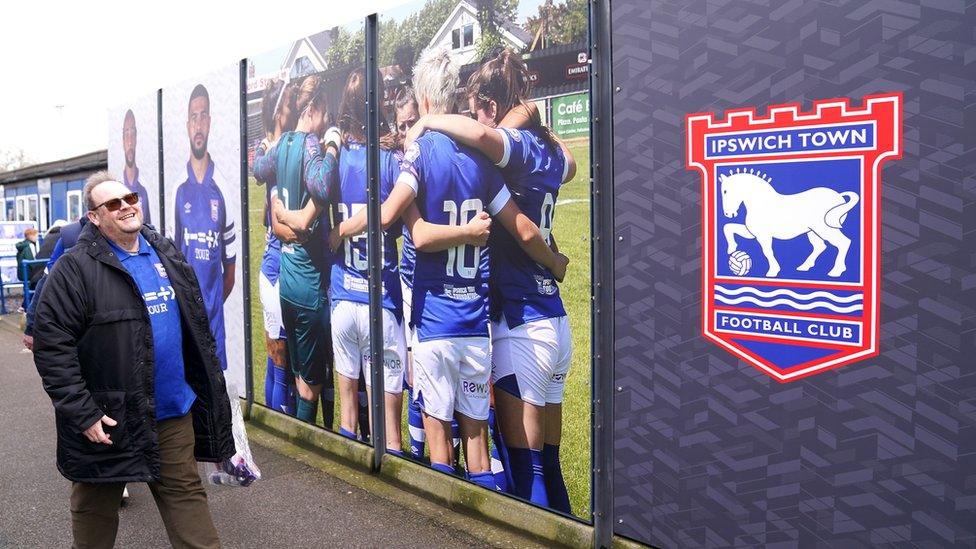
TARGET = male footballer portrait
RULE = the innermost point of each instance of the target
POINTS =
(130, 175)
(202, 230)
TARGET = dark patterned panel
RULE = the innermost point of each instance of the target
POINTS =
(710, 452)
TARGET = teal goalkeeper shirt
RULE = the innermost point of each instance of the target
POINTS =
(173, 395)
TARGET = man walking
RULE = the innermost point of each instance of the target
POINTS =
(126, 355)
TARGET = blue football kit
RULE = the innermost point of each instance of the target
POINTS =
(453, 183)
(523, 290)
(207, 239)
(173, 394)
(350, 271)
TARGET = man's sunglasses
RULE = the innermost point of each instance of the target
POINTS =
(114, 204)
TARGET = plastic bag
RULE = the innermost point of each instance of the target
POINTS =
(240, 469)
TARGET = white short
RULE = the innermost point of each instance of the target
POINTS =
(452, 375)
(350, 344)
(538, 353)
(271, 304)
(407, 293)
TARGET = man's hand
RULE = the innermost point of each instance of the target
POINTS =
(95, 432)
(29, 342)
(478, 229)
(414, 133)
(560, 271)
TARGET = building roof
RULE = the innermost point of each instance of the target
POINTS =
(96, 160)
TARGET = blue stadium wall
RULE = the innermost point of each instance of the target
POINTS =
(711, 452)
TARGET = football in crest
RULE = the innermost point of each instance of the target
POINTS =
(740, 263)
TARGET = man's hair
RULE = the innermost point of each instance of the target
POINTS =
(435, 78)
(198, 91)
(29, 231)
(93, 181)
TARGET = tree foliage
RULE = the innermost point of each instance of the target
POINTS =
(567, 22)
(492, 16)
(13, 159)
(401, 42)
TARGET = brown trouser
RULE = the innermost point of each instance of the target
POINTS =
(179, 495)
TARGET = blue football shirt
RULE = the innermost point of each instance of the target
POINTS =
(350, 271)
(173, 394)
(453, 183)
(206, 238)
(534, 171)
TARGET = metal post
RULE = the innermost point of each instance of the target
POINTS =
(245, 250)
(374, 242)
(159, 141)
(601, 136)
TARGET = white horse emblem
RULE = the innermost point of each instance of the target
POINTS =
(819, 213)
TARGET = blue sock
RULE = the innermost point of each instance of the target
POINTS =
(553, 473)
(442, 467)
(328, 406)
(279, 395)
(397, 453)
(291, 395)
(348, 434)
(415, 425)
(499, 456)
(269, 383)
(485, 479)
(363, 415)
(527, 475)
(307, 410)
(456, 442)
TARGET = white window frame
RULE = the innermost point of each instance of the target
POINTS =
(32, 199)
(44, 213)
(71, 216)
(20, 211)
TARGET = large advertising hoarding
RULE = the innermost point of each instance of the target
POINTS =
(791, 349)
(133, 151)
(520, 397)
(294, 94)
(202, 193)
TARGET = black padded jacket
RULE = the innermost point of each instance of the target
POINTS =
(93, 348)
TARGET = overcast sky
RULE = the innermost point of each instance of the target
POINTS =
(62, 63)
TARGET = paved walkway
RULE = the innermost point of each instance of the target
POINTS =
(293, 506)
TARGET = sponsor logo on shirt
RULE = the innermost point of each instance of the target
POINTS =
(354, 283)
(209, 240)
(160, 270)
(187, 207)
(156, 302)
(412, 154)
(546, 286)
(214, 209)
(461, 293)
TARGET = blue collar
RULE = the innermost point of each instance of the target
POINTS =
(123, 255)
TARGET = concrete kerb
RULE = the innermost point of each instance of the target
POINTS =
(452, 493)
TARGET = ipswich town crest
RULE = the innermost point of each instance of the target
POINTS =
(791, 230)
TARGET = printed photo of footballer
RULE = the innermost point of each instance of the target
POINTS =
(294, 161)
(133, 152)
(201, 138)
(486, 313)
